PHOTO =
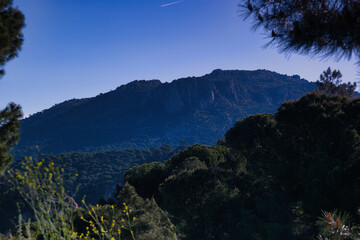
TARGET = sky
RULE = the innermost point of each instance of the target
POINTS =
(80, 48)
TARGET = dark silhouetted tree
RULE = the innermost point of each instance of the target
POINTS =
(9, 132)
(330, 83)
(325, 27)
(11, 39)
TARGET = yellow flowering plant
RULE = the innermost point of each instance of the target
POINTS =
(42, 187)
(103, 222)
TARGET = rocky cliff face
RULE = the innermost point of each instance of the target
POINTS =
(145, 114)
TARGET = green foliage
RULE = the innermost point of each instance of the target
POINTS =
(317, 152)
(11, 37)
(9, 132)
(335, 226)
(146, 178)
(198, 202)
(105, 222)
(98, 175)
(212, 201)
(314, 135)
(56, 215)
(309, 152)
(210, 155)
(208, 195)
(269, 179)
(330, 83)
(329, 28)
(9, 201)
(151, 221)
(42, 188)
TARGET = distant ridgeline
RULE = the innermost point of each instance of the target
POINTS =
(144, 114)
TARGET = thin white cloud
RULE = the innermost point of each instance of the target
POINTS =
(172, 3)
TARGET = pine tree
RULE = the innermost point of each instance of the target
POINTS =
(330, 83)
(11, 39)
(325, 27)
(9, 132)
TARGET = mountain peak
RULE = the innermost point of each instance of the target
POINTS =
(144, 114)
(141, 84)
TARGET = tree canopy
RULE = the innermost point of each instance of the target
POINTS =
(12, 21)
(330, 83)
(270, 178)
(9, 132)
(325, 27)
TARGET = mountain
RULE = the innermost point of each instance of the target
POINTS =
(143, 114)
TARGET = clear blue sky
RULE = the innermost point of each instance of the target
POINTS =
(80, 48)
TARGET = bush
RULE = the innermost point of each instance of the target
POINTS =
(56, 215)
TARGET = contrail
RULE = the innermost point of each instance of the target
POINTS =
(172, 3)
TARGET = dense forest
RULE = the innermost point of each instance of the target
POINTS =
(270, 178)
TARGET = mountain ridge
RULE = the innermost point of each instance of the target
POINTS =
(151, 113)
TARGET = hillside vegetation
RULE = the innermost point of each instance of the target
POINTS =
(144, 114)
(97, 176)
(270, 178)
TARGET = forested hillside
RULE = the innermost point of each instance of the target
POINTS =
(270, 178)
(89, 175)
(144, 114)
